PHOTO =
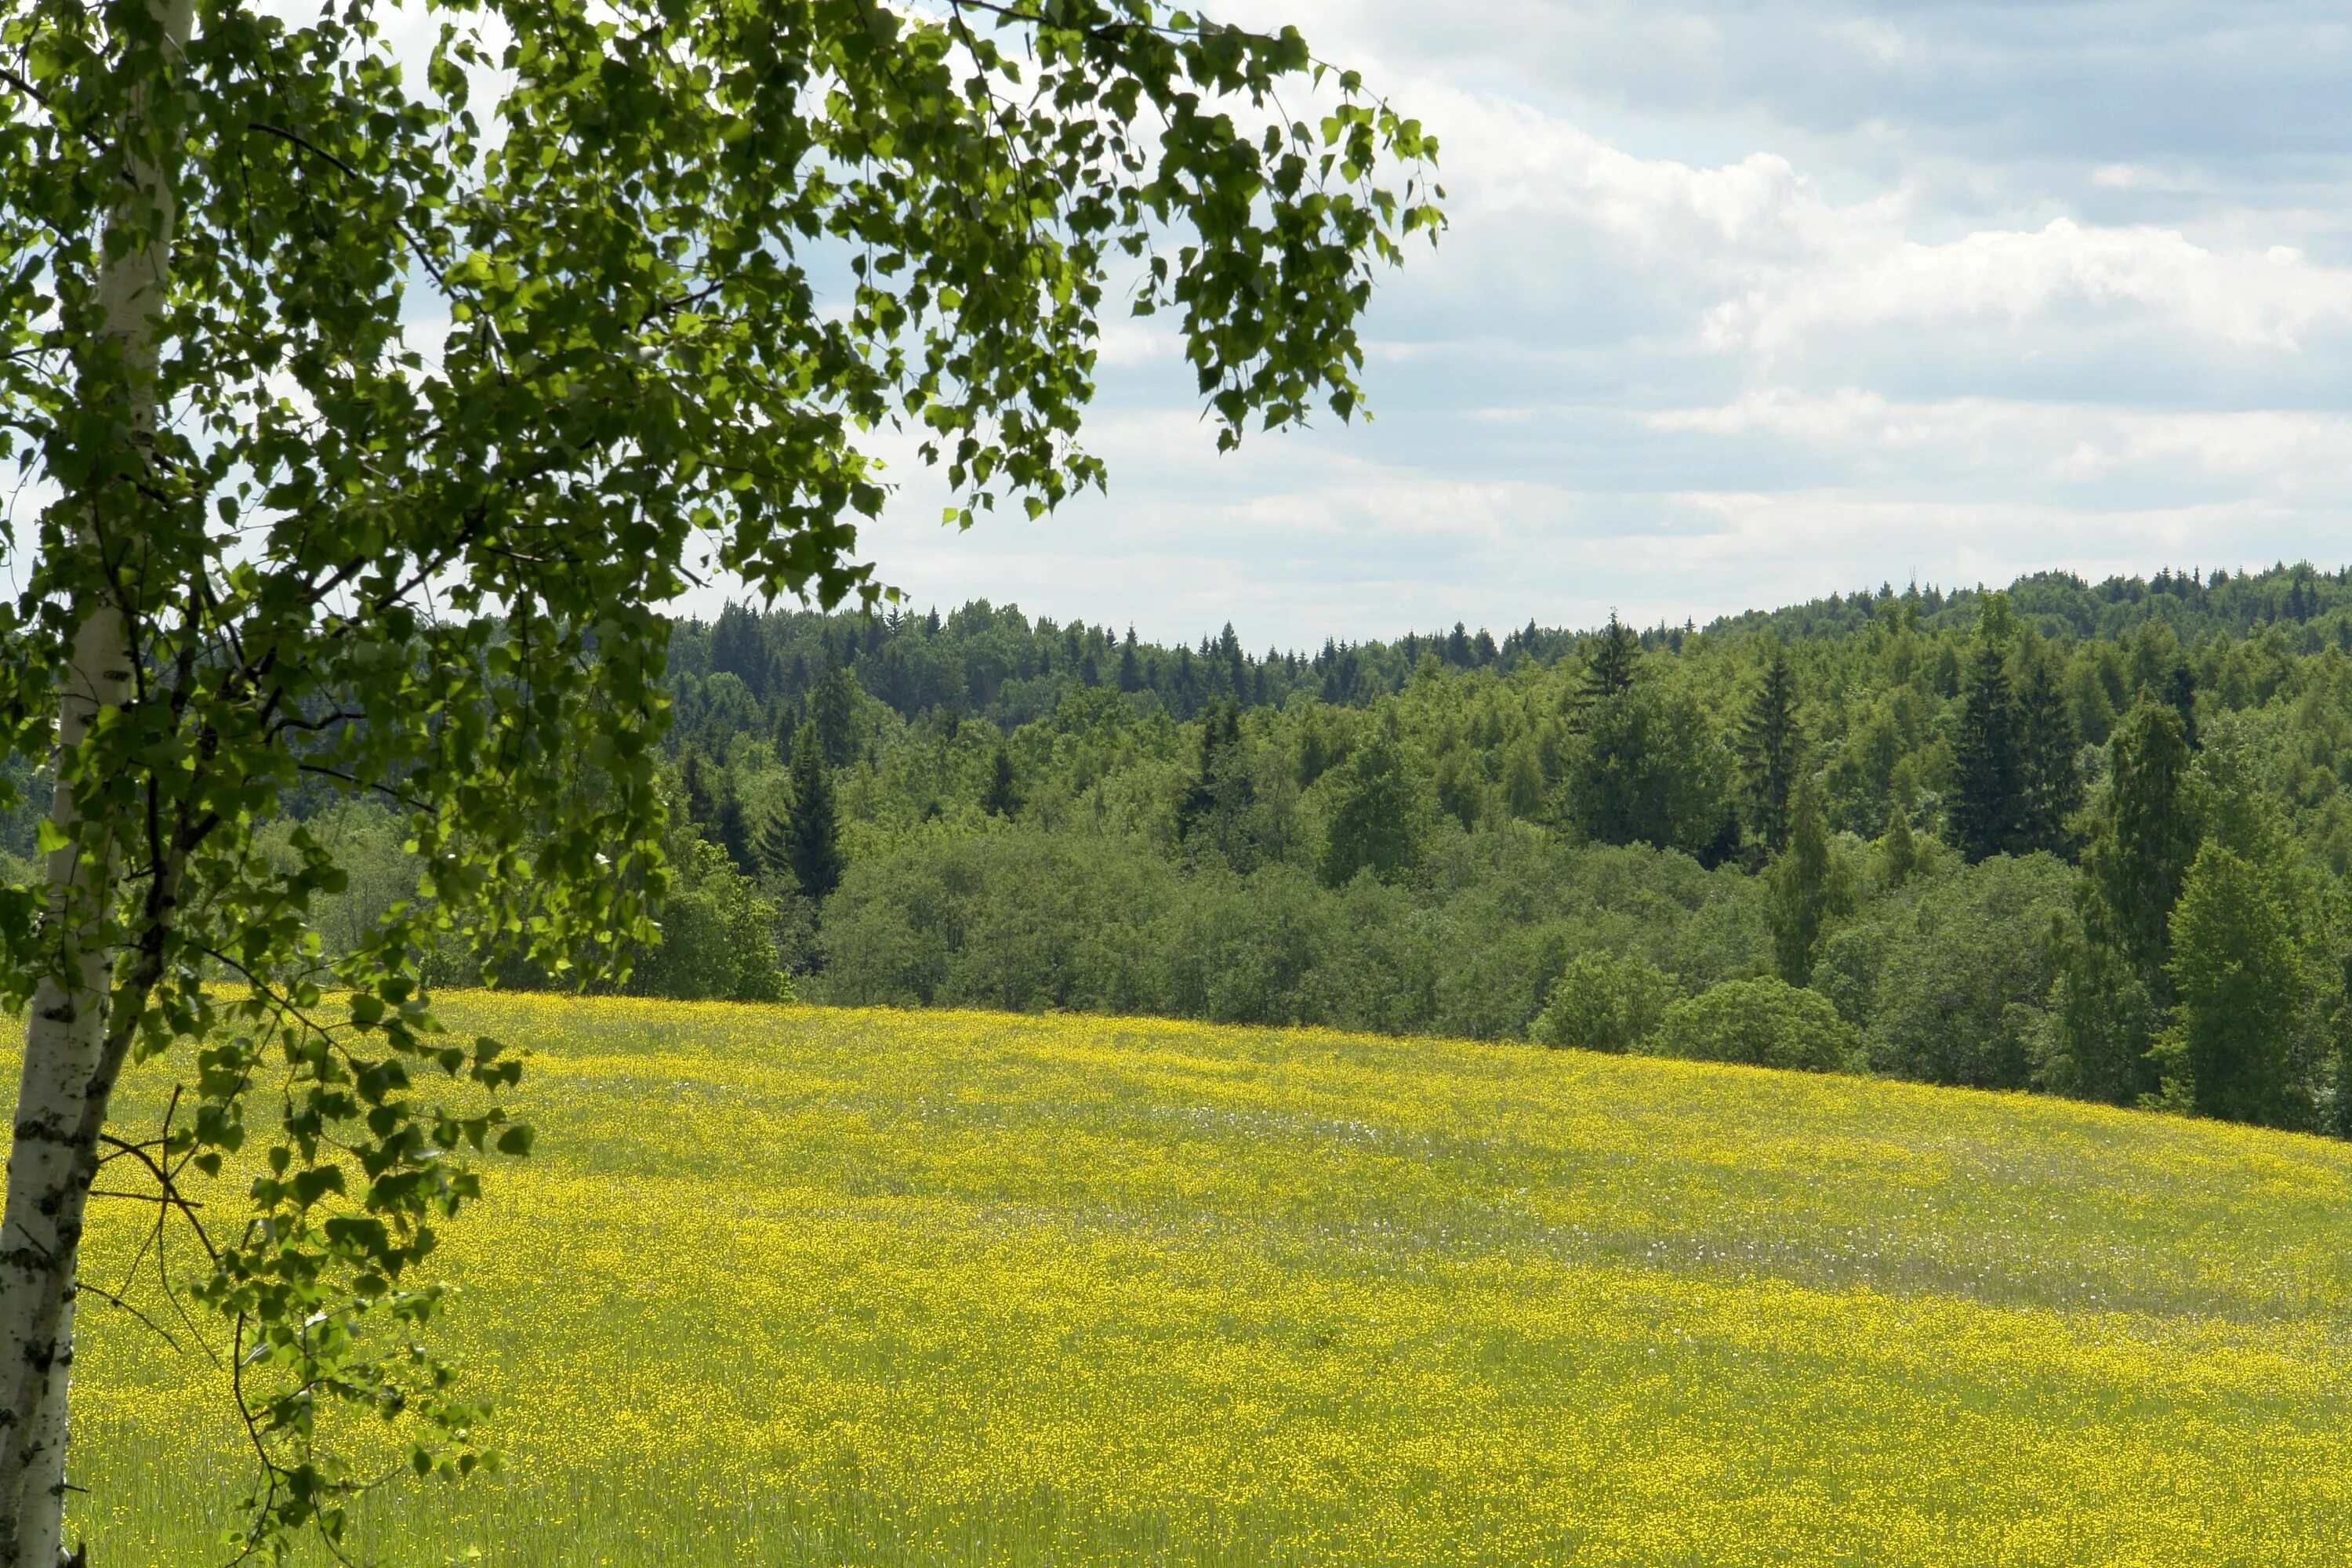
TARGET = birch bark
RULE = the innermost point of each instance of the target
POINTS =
(66, 1074)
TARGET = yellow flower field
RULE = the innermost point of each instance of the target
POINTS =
(802, 1286)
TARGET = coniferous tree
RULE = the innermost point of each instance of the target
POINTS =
(2103, 1021)
(2052, 780)
(1131, 667)
(1770, 747)
(1222, 789)
(730, 829)
(1648, 770)
(1002, 796)
(2180, 695)
(833, 708)
(1615, 652)
(791, 713)
(804, 841)
(738, 648)
(1236, 663)
(701, 804)
(1988, 753)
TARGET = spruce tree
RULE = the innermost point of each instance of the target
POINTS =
(1770, 745)
(1988, 754)
(2052, 782)
(1002, 796)
(1235, 662)
(730, 829)
(701, 805)
(833, 706)
(2179, 691)
(1615, 652)
(1648, 769)
(1222, 789)
(739, 647)
(805, 841)
(2104, 1022)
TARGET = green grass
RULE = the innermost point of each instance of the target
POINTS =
(808, 1286)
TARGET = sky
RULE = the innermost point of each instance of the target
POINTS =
(1747, 301)
(1743, 303)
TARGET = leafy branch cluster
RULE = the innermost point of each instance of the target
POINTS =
(691, 256)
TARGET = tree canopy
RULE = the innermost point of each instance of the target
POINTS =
(378, 404)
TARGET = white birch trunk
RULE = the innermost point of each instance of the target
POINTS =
(60, 1103)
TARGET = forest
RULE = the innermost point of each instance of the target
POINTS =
(2083, 839)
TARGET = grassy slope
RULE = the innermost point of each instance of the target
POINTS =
(800, 1286)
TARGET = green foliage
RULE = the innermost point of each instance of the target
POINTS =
(1029, 919)
(1609, 671)
(1968, 962)
(1373, 824)
(1511, 774)
(805, 843)
(1002, 797)
(2102, 1024)
(833, 713)
(1648, 770)
(1900, 853)
(2338, 1120)
(1763, 1022)
(1605, 1002)
(690, 254)
(2244, 996)
(1804, 890)
(1212, 813)
(1989, 805)
(2149, 825)
(717, 937)
(1019, 919)
(1770, 747)
(2049, 784)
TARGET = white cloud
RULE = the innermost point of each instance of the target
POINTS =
(2267, 301)
(2281, 449)
(1746, 301)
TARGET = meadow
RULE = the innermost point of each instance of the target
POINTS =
(803, 1285)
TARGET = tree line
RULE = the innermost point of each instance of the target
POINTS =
(1952, 837)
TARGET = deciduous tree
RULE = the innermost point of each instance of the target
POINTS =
(1374, 822)
(2241, 988)
(1802, 891)
(687, 253)
(2148, 831)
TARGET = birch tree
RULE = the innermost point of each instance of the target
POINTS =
(372, 407)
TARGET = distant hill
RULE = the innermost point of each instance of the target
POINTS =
(991, 661)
